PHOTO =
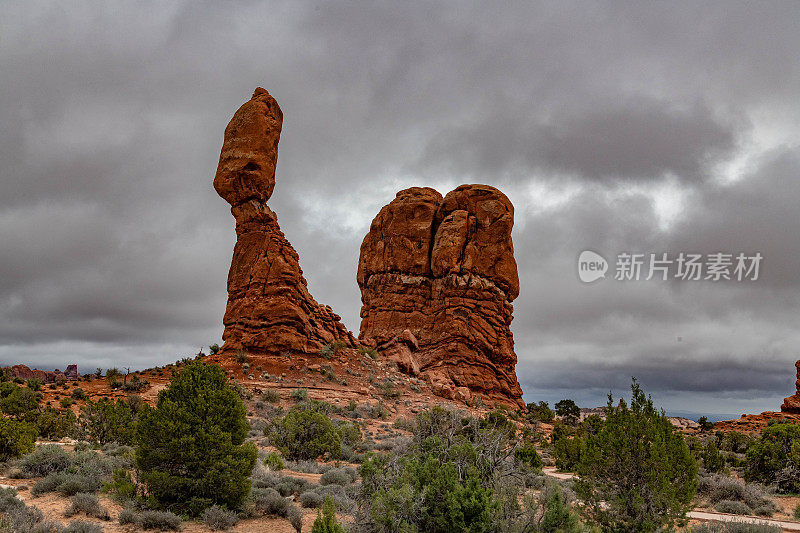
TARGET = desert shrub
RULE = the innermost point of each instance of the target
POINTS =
(266, 479)
(299, 395)
(350, 455)
(241, 356)
(16, 438)
(295, 517)
(269, 502)
(243, 392)
(83, 526)
(271, 396)
(108, 421)
(24, 519)
(274, 461)
(540, 412)
(775, 456)
(49, 483)
(88, 504)
(340, 496)
(326, 519)
(113, 449)
(78, 393)
(34, 384)
(289, 485)
(714, 488)
(9, 500)
(335, 476)
(389, 389)
(732, 507)
(135, 384)
(306, 432)
(56, 424)
(308, 467)
(219, 519)
(6, 388)
(136, 404)
(549, 512)
(213, 349)
(735, 441)
(455, 474)
(162, 520)
(566, 448)
(311, 499)
(371, 352)
(66, 402)
(121, 487)
(20, 403)
(705, 425)
(191, 450)
(127, 516)
(527, 455)
(767, 509)
(66, 484)
(636, 472)
(568, 411)
(372, 411)
(711, 458)
(44, 460)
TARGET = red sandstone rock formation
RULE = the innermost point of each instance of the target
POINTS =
(437, 278)
(45, 376)
(269, 307)
(792, 403)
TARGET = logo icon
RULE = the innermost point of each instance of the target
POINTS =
(591, 266)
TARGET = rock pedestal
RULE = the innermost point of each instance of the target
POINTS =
(441, 271)
(270, 310)
(792, 403)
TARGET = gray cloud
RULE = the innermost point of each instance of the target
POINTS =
(633, 139)
(115, 246)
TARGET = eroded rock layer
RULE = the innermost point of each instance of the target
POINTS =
(792, 403)
(437, 277)
(270, 310)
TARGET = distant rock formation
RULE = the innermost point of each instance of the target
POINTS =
(269, 310)
(45, 376)
(437, 278)
(792, 403)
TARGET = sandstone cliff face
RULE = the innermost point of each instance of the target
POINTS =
(437, 278)
(792, 403)
(270, 310)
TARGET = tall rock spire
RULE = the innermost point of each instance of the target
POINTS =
(269, 310)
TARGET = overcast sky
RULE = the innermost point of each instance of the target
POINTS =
(660, 127)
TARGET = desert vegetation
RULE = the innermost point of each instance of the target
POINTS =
(211, 451)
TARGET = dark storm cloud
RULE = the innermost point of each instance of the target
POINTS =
(633, 139)
(115, 246)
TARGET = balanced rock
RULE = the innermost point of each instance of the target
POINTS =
(270, 310)
(441, 271)
(792, 403)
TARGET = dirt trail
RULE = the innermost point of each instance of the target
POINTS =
(711, 516)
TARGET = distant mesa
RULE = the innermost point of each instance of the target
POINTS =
(44, 376)
(437, 274)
